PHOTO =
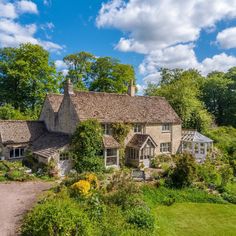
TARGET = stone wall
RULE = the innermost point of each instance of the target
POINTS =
(47, 115)
(67, 119)
(155, 131)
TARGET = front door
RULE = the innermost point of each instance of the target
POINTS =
(146, 161)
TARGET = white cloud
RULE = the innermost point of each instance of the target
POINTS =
(61, 66)
(227, 38)
(12, 33)
(7, 10)
(221, 62)
(166, 31)
(155, 24)
(25, 6)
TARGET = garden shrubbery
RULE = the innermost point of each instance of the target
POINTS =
(57, 217)
(13, 171)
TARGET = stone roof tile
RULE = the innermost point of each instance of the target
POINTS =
(20, 131)
(110, 107)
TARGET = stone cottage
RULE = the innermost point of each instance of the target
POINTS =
(156, 127)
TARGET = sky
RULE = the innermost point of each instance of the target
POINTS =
(148, 34)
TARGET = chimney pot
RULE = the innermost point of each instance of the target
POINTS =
(68, 88)
(132, 89)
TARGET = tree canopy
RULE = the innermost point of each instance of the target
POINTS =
(183, 90)
(101, 74)
(26, 75)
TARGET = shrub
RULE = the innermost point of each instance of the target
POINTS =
(82, 187)
(3, 167)
(184, 172)
(168, 201)
(208, 173)
(153, 195)
(55, 218)
(90, 164)
(141, 217)
(226, 173)
(229, 197)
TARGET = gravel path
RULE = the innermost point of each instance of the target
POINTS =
(15, 199)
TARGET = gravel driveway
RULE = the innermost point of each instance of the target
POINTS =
(15, 199)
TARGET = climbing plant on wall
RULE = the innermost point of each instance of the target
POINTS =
(120, 132)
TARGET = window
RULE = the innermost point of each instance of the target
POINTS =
(111, 152)
(17, 152)
(107, 129)
(111, 157)
(133, 153)
(166, 128)
(138, 128)
(165, 147)
(64, 156)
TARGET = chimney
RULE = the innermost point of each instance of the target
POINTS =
(131, 89)
(68, 88)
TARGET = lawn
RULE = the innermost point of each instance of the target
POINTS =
(196, 219)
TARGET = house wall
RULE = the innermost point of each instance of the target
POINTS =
(155, 131)
(174, 136)
(67, 118)
(48, 116)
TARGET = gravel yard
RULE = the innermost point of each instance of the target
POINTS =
(15, 199)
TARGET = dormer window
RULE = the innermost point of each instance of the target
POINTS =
(166, 128)
(138, 128)
(107, 129)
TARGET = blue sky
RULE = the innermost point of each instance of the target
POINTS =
(148, 34)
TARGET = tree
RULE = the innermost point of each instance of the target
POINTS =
(103, 74)
(109, 75)
(184, 172)
(26, 75)
(220, 98)
(86, 146)
(79, 65)
(182, 90)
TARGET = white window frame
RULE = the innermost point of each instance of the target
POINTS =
(107, 129)
(138, 128)
(165, 147)
(166, 128)
(14, 152)
(63, 157)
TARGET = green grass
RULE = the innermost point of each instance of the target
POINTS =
(203, 219)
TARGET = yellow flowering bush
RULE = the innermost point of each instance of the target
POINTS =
(82, 186)
(92, 179)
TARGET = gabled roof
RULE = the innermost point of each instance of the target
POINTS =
(139, 140)
(110, 142)
(194, 136)
(50, 143)
(55, 101)
(110, 107)
(20, 131)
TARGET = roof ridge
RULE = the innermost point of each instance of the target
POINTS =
(116, 94)
(38, 121)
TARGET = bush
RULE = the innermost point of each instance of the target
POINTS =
(55, 218)
(184, 172)
(153, 195)
(141, 217)
(82, 187)
(168, 201)
(229, 197)
(208, 173)
(90, 164)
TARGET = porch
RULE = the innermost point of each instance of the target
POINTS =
(140, 150)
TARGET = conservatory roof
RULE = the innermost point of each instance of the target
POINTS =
(194, 136)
